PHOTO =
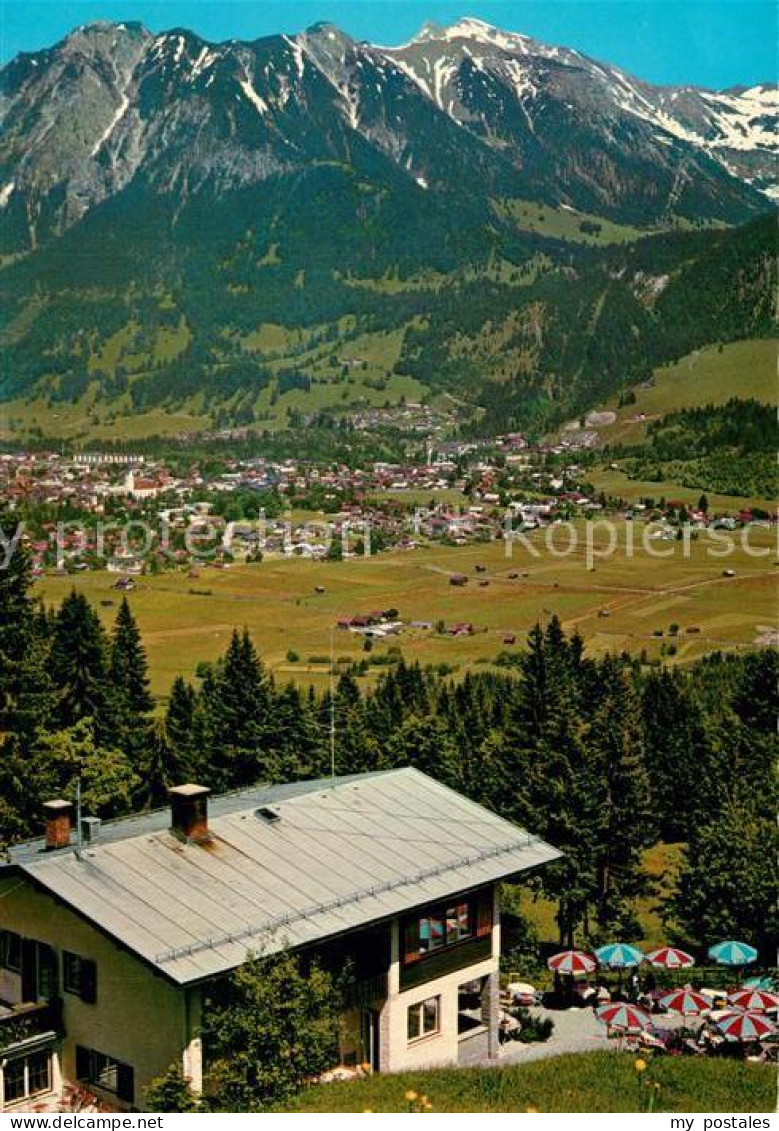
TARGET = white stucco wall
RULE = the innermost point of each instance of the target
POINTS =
(438, 1049)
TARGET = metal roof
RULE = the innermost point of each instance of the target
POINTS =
(342, 854)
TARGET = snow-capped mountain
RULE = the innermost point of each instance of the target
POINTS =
(477, 74)
(467, 111)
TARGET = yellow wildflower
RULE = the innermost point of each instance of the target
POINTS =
(411, 1096)
(640, 1065)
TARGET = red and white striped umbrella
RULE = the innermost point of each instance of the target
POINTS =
(756, 1001)
(671, 958)
(746, 1026)
(620, 1015)
(572, 962)
(685, 1001)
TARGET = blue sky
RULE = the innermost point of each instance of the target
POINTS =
(709, 42)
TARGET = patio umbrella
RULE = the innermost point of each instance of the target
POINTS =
(671, 958)
(572, 962)
(618, 956)
(685, 1001)
(763, 983)
(733, 953)
(745, 1026)
(754, 1001)
(620, 1015)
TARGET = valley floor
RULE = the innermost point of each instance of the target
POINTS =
(654, 600)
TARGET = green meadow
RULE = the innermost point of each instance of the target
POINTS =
(629, 600)
(587, 1082)
(708, 376)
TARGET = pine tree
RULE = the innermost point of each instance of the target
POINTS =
(624, 828)
(240, 727)
(180, 725)
(425, 744)
(128, 667)
(27, 699)
(727, 885)
(79, 661)
(161, 769)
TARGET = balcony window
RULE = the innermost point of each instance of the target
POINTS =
(437, 930)
(26, 1076)
(424, 1018)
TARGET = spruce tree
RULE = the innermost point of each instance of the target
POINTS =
(180, 725)
(27, 699)
(79, 666)
(624, 824)
(161, 769)
(128, 666)
(242, 745)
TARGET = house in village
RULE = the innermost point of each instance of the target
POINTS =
(113, 937)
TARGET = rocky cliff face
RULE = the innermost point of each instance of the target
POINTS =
(466, 111)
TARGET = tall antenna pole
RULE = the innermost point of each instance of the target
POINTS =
(332, 707)
(79, 843)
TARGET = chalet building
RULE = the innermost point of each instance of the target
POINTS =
(113, 935)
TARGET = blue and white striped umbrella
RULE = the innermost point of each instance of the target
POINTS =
(761, 983)
(733, 953)
(619, 956)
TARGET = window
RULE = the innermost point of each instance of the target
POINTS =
(79, 976)
(38, 1073)
(26, 1076)
(106, 1072)
(11, 951)
(424, 1018)
(438, 929)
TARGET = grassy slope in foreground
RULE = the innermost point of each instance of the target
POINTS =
(599, 1081)
(708, 376)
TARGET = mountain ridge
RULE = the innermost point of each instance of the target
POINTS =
(513, 101)
(474, 217)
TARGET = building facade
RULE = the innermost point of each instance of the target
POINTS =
(111, 938)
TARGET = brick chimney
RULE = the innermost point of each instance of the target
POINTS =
(57, 817)
(189, 812)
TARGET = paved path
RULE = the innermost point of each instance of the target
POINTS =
(575, 1031)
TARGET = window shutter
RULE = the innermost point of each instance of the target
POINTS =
(484, 913)
(125, 1083)
(29, 970)
(88, 981)
(83, 1066)
(411, 941)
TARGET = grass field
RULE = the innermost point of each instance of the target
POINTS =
(708, 376)
(565, 224)
(615, 482)
(276, 600)
(589, 1082)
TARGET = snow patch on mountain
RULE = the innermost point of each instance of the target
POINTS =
(119, 113)
(259, 104)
